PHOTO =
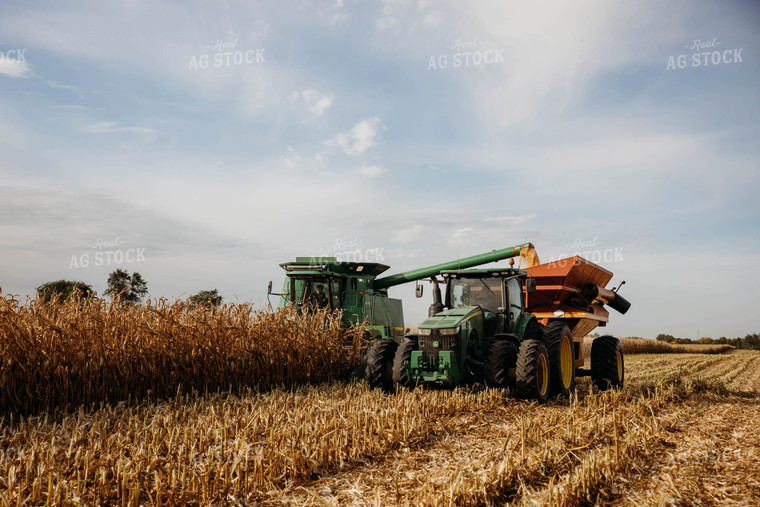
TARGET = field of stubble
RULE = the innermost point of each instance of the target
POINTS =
(684, 430)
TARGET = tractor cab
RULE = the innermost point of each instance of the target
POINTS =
(481, 305)
(498, 293)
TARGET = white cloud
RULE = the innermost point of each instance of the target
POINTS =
(14, 68)
(338, 18)
(94, 34)
(510, 220)
(359, 139)
(317, 103)
(409, 234)
(371, 170)
(460, 236)
(260, 28)
(388, 18)
(550, 54)
(432, 19)
(385, 23)
(54, 84)
(294, 161)
(112, 127)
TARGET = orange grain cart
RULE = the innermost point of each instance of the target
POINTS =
(573, 290)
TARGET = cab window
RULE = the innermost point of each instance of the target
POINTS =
(314, 292)
(486, 293)
(514, 294)
(336, 292)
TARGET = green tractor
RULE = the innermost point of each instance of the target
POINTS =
(501, 327)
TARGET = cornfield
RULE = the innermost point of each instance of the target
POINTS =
(642, 346)
(683, 431)
(70, 354)
(169, 404)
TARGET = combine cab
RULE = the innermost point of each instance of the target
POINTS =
(348, 287)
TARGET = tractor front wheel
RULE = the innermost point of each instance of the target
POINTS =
(500, 363)
(607, 368)
(380, 365)
(401, 362)
(559, 344)
(532, 371)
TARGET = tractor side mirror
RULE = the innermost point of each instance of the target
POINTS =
(418, 290)
(269, 287)
(530, 285)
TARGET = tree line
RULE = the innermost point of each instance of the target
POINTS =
(749, 342)
(128, 289)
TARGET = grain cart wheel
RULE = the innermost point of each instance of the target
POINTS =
(501, 363)
(607, 368)
(401, 361)
(380, 365)
(533, 371)
(559, 344)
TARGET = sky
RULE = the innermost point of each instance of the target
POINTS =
(204, 143)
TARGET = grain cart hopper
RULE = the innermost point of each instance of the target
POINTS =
(354, 289)
(515, 328)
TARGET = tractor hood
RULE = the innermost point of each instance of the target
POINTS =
(451, 318)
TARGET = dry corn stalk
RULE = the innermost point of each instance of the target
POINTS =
(72, 353)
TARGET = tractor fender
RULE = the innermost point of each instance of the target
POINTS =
(522, 324)
(508, 337)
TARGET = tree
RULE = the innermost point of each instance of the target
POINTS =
(60, 290)
(752, 341)
(131, 289)
(207, 297)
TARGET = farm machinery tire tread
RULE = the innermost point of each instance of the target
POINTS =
(502, 356)
(402, 356)
(533, 372)
(380, 365)
(556, 333)
(607, 366)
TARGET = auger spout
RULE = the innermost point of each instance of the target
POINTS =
(467, 262)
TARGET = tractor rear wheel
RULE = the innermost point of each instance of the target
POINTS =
(401, 361)
(607, 368)
(559, 344)
(380, 365)
(501, 363)
(533, 371)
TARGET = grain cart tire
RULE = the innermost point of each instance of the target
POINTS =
(400, 362)
(559, 344)
(380, 365)
(533, 372)
(607, 367)
(502, 357)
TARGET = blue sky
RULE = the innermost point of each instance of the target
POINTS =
(338, 129)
